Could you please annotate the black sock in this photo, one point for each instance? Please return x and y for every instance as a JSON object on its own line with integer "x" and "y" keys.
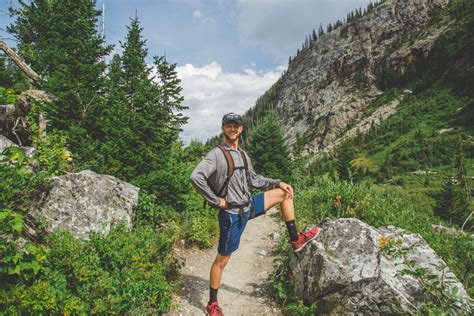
{"x": 292, "y": 230}
{"x": 212, "y": 295}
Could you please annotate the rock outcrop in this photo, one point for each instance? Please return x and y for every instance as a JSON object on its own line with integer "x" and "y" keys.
{"x": 330, "y": 84}
{"x": 85, "y": 202}
{"x": 344, "y": 271}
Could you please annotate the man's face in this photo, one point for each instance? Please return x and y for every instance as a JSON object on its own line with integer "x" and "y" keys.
{"x": 232, "y": 131}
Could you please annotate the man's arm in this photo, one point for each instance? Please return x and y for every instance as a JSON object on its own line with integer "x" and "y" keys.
{"x": 199, "y": 177}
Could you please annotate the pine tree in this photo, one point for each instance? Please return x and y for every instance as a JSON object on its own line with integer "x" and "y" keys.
{"x": 329, "y": 28}
{"x": 268, "y": 150}
{"x": 135, "y": 70}
{"x": 320, "y": 30}
{"x": 59, "y": 39}
{"x": 343, "y": 165}
{"x": 451, "y": 203}
{"x": 170, "y": 101}
{"x": 142, "y": 118}
{"x": 11, "y": 76}
{"x": 314, "y": 36}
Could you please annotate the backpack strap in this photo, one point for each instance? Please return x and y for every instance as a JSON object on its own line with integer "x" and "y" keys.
{"x": 246, "y": 166}
{"x": 244, "y": 157}
{"x": 229, "y": 160}
{"x": 230, "y": 169}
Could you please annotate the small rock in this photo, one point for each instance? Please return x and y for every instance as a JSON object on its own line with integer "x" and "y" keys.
{"x": 275, "y": 236}
{"x": 262, "y": 252}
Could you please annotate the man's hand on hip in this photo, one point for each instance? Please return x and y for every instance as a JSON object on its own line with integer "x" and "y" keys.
{"x": 223, "y": 204}
{"x": 287, "y": 188}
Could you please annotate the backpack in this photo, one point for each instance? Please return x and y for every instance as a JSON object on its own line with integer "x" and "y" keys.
{"x": 231, "y": 168}
{"x": 230, "y": 172}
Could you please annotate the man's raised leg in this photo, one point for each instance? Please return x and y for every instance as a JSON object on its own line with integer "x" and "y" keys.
{"x": 280, "y": 196}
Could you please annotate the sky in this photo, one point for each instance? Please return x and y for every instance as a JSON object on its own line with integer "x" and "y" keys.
{"x": 228, "y": 52}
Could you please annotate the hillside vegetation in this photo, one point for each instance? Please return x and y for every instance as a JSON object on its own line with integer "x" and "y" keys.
{"x": 414, "y": 169}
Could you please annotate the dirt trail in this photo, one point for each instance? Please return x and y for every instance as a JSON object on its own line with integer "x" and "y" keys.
{"x": 244, "y": 289}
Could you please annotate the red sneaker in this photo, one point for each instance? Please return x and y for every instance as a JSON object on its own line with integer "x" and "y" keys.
{"x": 213, "y": 309}
{"x": 304, "y": 238}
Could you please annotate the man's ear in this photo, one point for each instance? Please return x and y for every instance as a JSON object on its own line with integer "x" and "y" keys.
{"x": 241, "y": 129}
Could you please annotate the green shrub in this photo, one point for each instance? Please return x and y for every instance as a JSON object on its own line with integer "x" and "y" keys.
{"x": 7, "y": 96}
{"x": 200, "y": 226}
{"x": 124, "y": 272}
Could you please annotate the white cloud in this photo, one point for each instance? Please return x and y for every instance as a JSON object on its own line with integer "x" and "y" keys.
{"x": 197, "y": 14}
{"x": 210, "y": 93}
{"x": 279, "y": 27}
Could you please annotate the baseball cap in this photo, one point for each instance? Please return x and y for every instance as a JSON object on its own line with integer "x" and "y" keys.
{"x": 232, "y": 117}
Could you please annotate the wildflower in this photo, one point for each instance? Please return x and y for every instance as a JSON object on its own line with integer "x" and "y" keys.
{"x": 384, "y": 241}
{"x": 337, "y": 201}
{"x": 66, "y": 155}
{"x": 351, "y": 211}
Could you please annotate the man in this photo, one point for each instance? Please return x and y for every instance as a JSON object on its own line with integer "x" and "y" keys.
{"x": 236, "y": 205}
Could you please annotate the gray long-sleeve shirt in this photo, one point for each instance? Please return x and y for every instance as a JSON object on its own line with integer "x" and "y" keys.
{"x": 209, "y": 176}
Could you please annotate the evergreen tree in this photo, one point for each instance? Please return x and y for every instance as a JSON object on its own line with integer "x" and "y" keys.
{"x": 59, "y": 39}
{"x": 343, "y": 165}
{"x": 314, "y": 36}
{"x": 270, "y": 154}
{"x": 142, "y": 118}
{"x": 451, "y": 203}
{"x": 10, "y": 76}
{"x": 171, "y": 101}
{"x": 320, "y": 30}
{"x": 135, "y": 70}
{"x": 329, "y": 28}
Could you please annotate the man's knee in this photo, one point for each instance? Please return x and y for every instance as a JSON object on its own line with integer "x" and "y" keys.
{"x": 275, "y": 196}
{"x": 283, "y": 194}
{"x": 221, "y": 261}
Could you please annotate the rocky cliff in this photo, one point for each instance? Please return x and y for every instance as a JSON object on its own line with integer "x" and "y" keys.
{"x": 331, "y": 82}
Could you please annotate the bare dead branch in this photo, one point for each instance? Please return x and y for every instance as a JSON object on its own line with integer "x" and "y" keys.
{"x": 19, "y": 61}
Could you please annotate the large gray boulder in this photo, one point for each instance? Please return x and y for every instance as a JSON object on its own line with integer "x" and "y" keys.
{"x": 86, "y": 202}
{"x": 344, "y": 272}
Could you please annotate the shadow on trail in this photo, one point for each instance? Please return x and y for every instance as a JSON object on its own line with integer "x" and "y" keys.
{"x": 196, "y": 290}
